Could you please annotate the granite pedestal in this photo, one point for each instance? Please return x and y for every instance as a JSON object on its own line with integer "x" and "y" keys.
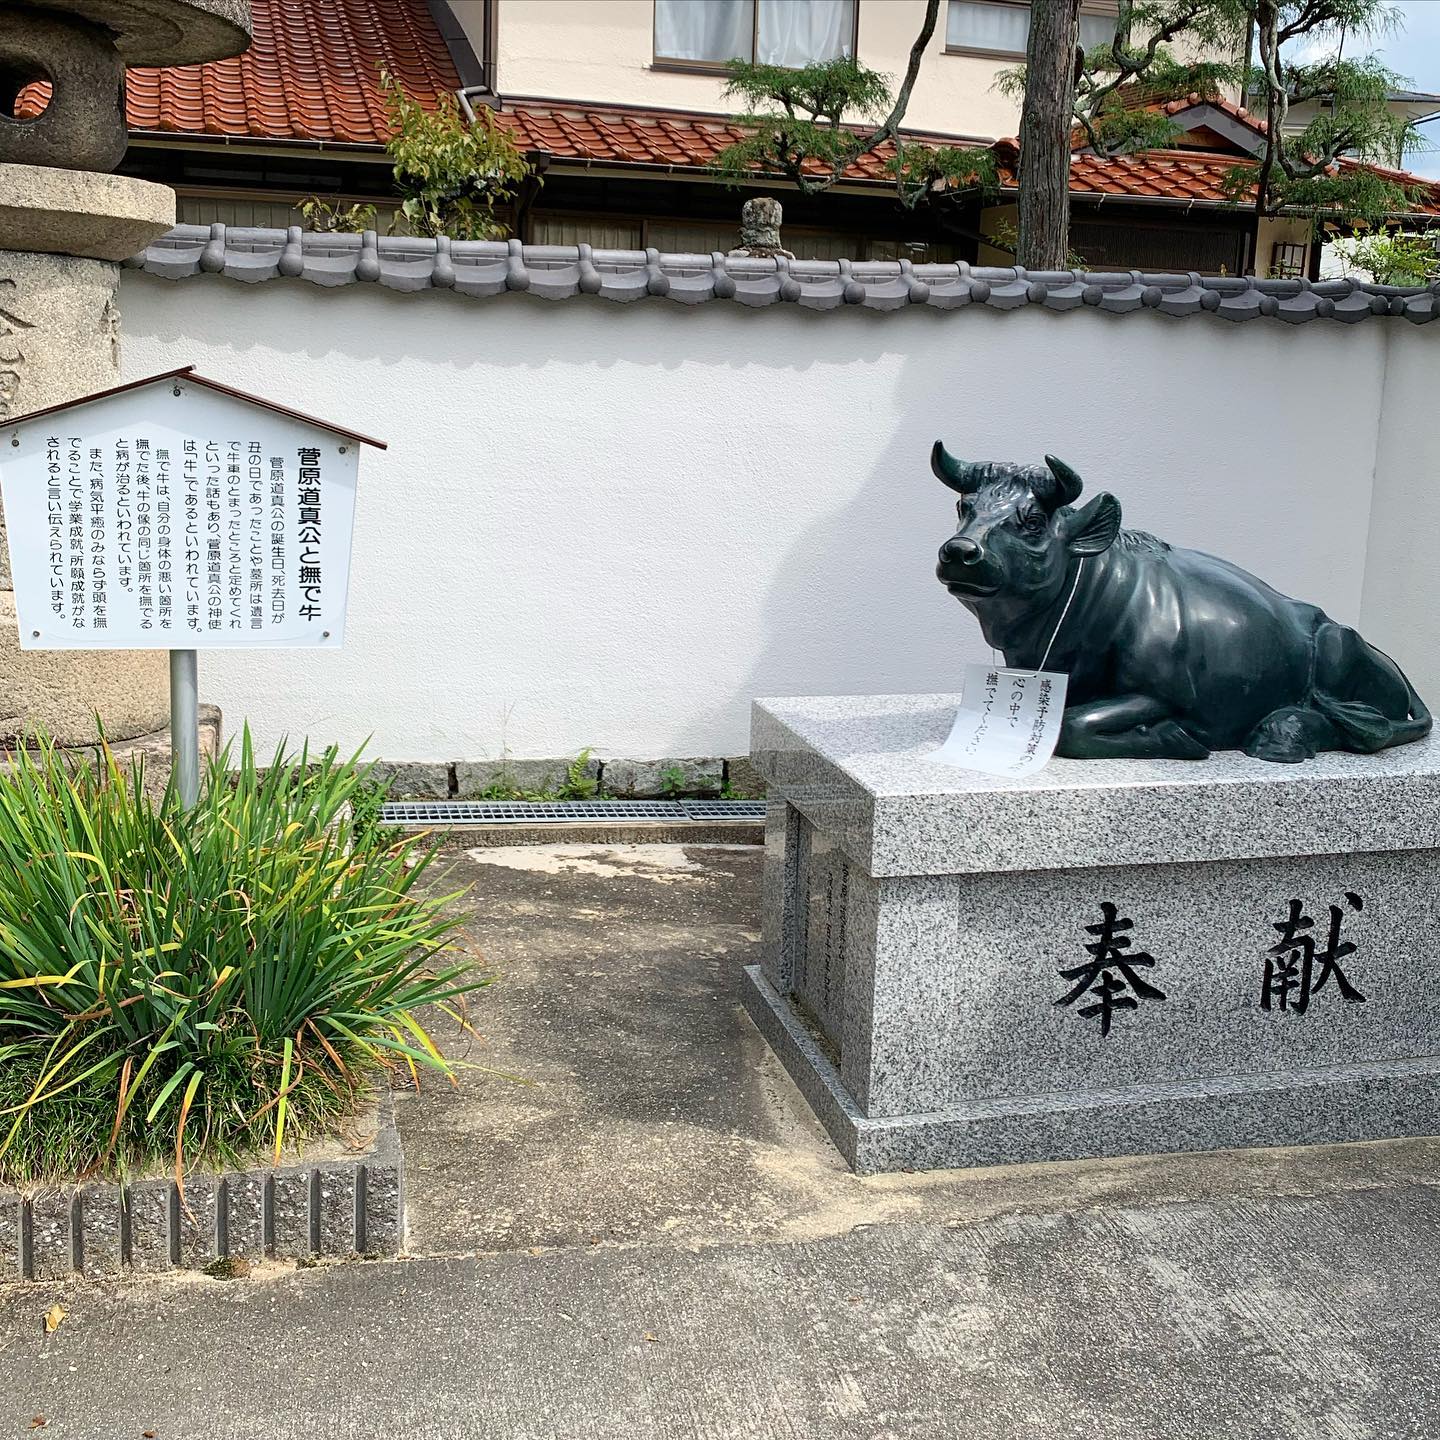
{"x": 1106, "y": 958}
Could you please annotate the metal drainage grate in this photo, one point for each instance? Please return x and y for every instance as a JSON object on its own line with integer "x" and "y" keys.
{"x": 724, "y": 809}
{"x": 549, "y": 812}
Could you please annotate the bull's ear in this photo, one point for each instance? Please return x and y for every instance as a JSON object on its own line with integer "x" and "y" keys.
{"x": 1092, "y": 529}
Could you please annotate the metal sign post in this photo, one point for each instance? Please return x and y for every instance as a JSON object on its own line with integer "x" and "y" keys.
{"x": 185, "y": 725}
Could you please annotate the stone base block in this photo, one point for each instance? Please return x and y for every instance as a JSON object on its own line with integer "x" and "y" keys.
{"x": 63, "y": 691}
{"x": 647, "y": 779}
{"x": 81, "y": 212}
{"x": 529, "y": 777}
{"x": 743, "y": 780}
{"x": 1319, "y": 1107}
{"x": 153, "y": 751}
{"x": 1108, "y": 958}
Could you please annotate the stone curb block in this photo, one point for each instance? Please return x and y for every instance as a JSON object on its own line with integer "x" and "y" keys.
{"x": 332, "y": 1208}
{"x": 630, "y": 779}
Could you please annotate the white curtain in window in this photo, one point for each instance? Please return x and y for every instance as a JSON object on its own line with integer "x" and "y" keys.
{"x": 1096, "y": 30}
{"x": 716, "y": 30}
{"x": 974, "y": 25}
{"x": 797, "y": 32}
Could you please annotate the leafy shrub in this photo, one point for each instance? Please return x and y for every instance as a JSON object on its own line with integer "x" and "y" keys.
{"x": 576, "y": 784}
{"x": 331, "y": 217}
{"x": 200, "y": 985}
{"x": 1391, "y": 257}
{"x": 452, "y": 173}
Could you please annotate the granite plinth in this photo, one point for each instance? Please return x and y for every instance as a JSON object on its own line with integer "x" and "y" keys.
{"x": 1106, "y": 958}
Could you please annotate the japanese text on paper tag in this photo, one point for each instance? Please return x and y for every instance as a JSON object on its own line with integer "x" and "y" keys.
{"x": 1008, "y": 722}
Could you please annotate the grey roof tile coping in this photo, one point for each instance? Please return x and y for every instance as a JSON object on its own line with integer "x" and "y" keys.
{"x": 557, "y": 272}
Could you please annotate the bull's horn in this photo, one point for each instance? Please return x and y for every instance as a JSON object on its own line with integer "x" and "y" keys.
{"x": 957, "y": 474}
{"x": 1069, "y": 482}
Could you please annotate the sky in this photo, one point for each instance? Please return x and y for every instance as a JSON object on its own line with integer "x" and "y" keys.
{"x": 1414, "y": 52}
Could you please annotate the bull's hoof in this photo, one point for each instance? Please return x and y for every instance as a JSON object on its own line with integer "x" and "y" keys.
{"x": 1284, "y": 737}
{"x": 1174, "y": 742}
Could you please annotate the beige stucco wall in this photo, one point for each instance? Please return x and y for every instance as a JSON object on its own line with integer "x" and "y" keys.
{"x": 1278, "y": 232}
{"x": 602, "y": 50}
{"x": 991, "y": 219}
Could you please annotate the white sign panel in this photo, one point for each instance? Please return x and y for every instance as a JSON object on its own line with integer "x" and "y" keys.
{"x": 1008, "y": 722}
{"x": 177, "y": 517}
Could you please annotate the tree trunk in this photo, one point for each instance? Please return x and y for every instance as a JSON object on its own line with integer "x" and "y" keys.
{"x": 1045, "y": 121}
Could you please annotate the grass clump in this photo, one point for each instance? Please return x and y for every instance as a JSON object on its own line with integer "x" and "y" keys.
{"x": 576, "y": 784}
{"x": 195, "y": 986}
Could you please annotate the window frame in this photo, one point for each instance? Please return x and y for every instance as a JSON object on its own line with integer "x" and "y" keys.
{"x": 1095, "y": 7}
{"x": 719, "y": 67}
{"x": 1286, "y": 263}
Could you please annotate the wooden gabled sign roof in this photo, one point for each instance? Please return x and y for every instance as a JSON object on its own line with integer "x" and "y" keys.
{"x": 188, "y": 374}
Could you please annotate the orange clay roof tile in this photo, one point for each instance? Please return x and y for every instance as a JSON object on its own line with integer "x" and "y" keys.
{"x": 313, "y": 73}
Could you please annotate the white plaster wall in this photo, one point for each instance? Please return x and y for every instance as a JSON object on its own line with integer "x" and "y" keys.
{"x": 614, "y": 525}
{"x": 1402, "y": 569}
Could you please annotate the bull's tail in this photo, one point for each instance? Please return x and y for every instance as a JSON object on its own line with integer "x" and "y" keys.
{"x": 1363, "y": 728}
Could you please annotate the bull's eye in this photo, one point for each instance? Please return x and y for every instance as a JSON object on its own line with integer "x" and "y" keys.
{"x": 1030, "y": 523}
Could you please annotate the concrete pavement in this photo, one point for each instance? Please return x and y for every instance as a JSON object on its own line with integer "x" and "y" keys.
{"x": 652, "y": 1238}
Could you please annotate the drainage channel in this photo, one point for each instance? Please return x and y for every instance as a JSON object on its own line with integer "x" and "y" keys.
{"x": 572, "y": 812}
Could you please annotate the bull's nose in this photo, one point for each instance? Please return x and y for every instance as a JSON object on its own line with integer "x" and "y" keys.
{"x": 962, "y": 549}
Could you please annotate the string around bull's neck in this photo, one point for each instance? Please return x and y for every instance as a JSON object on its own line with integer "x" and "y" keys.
{"x": 1070, "y": 600}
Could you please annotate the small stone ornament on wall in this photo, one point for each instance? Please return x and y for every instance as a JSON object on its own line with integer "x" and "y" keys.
{"x": 1170, "y": 653}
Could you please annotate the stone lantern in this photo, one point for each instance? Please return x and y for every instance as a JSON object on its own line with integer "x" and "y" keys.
{"x": 66, "y": 223}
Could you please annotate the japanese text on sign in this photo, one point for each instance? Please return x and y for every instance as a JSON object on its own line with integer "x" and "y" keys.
{"x": 1295, "y": 969}
{"x": 212, "y": 525}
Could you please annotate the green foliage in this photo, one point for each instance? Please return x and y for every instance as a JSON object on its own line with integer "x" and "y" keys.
{"x": 451, "y": 173}
{"x": 1139, "y": 63}
{"x": 1005, "y": 235}
{"x": 576, "y": 784}
{"x": 730, "y": 791}
{"x": 1312, "y": 173}
{"x": 923, "y": 173}
{"x": 366, "y": 801}
{"x": 832, "y": 90}
{"x": 811, "y": 124}
{"x": 1391, "y": 258}
{"x": 329, "y": 217}
{"x": 579, "y": 783}
{"x": 200, "y": 985}
{"x": 1344, "y": 193}
{"x": 798, "y": 117}
{"x": 672, "y": 781}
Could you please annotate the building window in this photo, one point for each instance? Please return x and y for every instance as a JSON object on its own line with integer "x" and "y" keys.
{"x": 1002, "y": 27}
{"x": 1287, "y": 260}
{"x": 711, "y": 33}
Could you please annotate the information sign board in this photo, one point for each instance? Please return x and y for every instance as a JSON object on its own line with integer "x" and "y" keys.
{"x": 176, "y": 514}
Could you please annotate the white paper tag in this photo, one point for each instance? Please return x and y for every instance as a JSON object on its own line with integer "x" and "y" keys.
{"x": 1008, "y": 723}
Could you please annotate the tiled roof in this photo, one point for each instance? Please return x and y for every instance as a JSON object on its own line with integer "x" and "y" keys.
{"x": 1194, "y": 99}
{"x": 630, "y": 135}
{"x": 558, "y": 272}
{"x": 311, "y": 73}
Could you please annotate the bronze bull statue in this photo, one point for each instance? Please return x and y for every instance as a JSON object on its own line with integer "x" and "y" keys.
{"x": 1170, "y": 653}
